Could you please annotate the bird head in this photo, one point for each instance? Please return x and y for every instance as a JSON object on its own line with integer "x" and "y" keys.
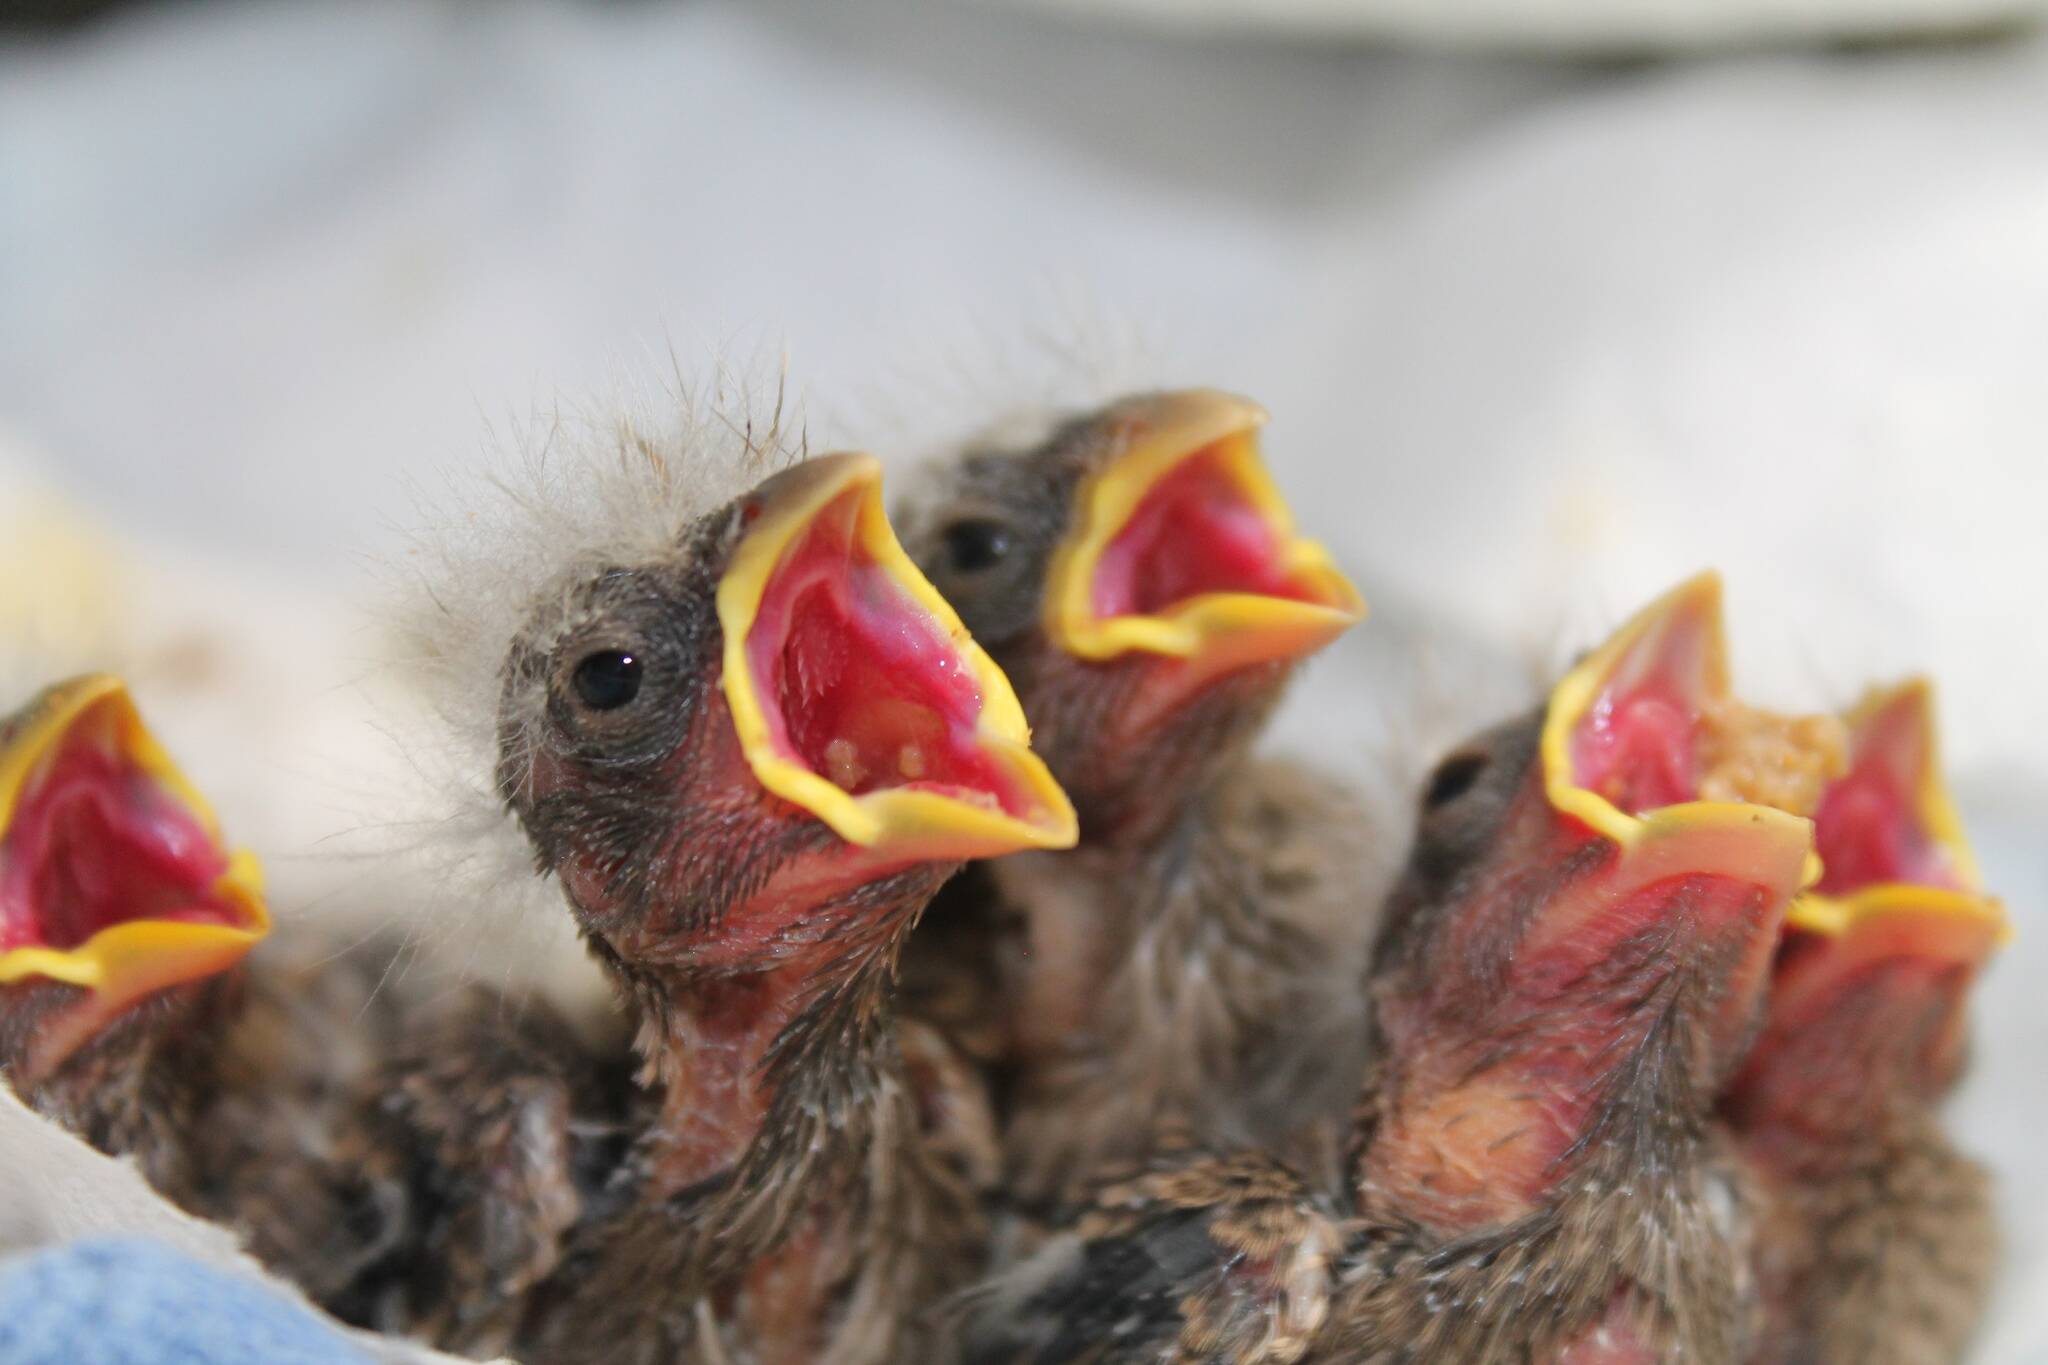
{"x": 115, "y": 886}
{"x": 775, "y": 714}
{"x": 1580, "y": 939}
{"x": 1140, "y": 577}
{"x": 1868, "y": 994}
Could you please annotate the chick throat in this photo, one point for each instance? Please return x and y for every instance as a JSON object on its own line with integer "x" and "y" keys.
{"x": 772, "y": 1076}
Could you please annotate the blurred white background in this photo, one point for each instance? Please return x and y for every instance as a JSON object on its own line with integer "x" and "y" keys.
{"x": 1540, "y": 334}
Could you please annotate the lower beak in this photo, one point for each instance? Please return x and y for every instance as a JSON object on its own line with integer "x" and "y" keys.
{"x": 1183, "y": 547}
{"x": 857, "y": 694}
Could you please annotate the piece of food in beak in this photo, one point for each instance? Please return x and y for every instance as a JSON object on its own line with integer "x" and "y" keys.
{"x": 113, "y": 875}
{"x": 1181, "y": 546}
{"x": 1878, "y": 1237}
{"x": 857, "y": 693}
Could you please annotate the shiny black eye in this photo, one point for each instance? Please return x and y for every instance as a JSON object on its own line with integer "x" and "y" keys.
{"x": 608, "y": 679}
{"x": 975, "y": 545}
{"x": 1452, "y": 779}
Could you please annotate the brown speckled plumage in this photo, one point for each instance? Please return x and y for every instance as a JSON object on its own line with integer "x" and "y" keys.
{"x": 1878, "y": 1238}
{"x": 1536, "y": 1175}
{"x": 1193, "y": 965}
{"x": 230, "y": 1094}
{"x": 797, "y": 1180}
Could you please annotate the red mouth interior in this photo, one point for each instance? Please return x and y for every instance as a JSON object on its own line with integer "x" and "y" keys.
{"x": 860, "y": 683}
{"x": 96, "y": 842}
{"x": 1639, "y": 748}
{"x": 1867, "y": 831}
{"x": 1194, "y": 532}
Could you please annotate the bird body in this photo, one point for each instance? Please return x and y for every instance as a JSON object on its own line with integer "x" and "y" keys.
{"x": 750, "y": 745}
{"x": 1562, "y": 984}
{"x": 1193, "y": 986}
{"x": 1878, "y": 1238}
{"x": 1188, "y": 969}
{"x": 129, "y": 1014}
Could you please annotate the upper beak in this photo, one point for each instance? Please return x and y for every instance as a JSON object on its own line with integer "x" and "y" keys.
{"x": 1897, "y": 865}
{"x": 1183, "y": 547}
{"x": 855, "y": 690}
{"x": 133, "y": 957}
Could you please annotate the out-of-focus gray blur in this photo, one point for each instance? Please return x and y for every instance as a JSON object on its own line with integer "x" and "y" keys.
{"x": 1542, "y": 328}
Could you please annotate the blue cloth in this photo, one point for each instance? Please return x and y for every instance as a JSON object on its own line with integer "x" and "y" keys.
{"x": 132, "y": 1302}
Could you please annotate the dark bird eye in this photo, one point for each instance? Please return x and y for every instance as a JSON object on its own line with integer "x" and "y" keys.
{"x": 975, "y": 545}
{"x": 1452, "y": 779}
{"x": 608, "y": 679}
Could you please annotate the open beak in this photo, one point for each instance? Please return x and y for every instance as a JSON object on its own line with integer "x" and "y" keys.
{"x": 1182, "y": 547}
{"x": 1622, "y": 755}
{"x": 1890, "y": 841}
{"x": 1899, "y": 883}
{"x": 113, "y": 876}
{"x": 856, "y": 692}
{"x": 1622, "y": 744}
{"x": 1869, "y": 991}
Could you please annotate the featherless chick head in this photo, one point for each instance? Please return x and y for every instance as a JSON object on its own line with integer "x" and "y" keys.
{"x": 715, "y": 676}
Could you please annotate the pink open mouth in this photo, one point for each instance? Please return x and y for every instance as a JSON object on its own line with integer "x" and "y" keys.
{"x": 857, "y": 694}
{"x": 96, "y": 841}
{"x": 1871, "y": 827}
{"x": 1639, "y": 748}
{"x": 868, "y": 691}
{"x": 1197, "y": 532}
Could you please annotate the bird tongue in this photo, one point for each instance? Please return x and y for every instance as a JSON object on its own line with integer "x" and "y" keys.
{"x": 1182, "y": 547}
{"x": 112, "y": 873}
{"x": 856, "y": 692}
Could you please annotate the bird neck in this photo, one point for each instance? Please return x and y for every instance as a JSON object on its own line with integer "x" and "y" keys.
{"x": 131, "y": 1086}
{"x": 706, "y": 1046}
{"x": 744, "y": 1050}
{"x": 1469, "y": 1136}
{"x": 1135, "y": 746}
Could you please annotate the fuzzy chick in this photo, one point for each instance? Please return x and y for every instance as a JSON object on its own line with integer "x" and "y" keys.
{"x": 128, "y": 1013}
{"x": 1569, "y": 970}
{"x": 749, "y": 741}
{"x": 1191, "y": 967}
{"x": 1878, "y": 1239}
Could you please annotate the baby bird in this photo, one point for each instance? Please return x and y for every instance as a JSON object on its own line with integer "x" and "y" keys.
{"x": 1568, "y": 971}
{"x": 1878, "y": 1239}
{"x": 123, "y": 914}
{"x": 1193, "y": 964}
{"x": 750, "y": 743}
{"x": 127, "y": 1012}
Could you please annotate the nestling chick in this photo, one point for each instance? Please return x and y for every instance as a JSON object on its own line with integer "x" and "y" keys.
{"x": 1878, "y": 1242}
{"x": 1570, "y": 967}
{"x": 124, "y": 914}
{"x": 750, "y": 742}
{"x": 1193, "y": 965}
{"x": 128, "y": 1014}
